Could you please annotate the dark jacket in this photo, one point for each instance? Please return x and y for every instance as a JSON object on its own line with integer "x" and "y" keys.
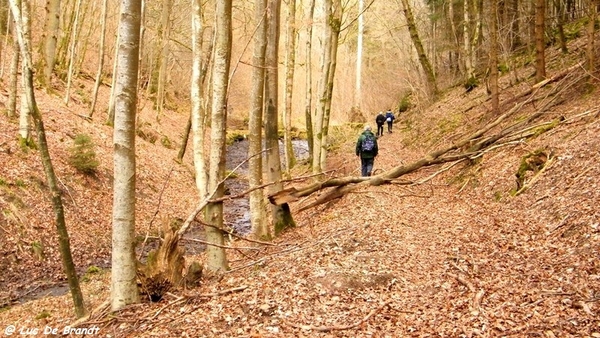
{"x": 366, "y": 154}
{"x": 390, "y": 115}
{"x": 380, "y": 119}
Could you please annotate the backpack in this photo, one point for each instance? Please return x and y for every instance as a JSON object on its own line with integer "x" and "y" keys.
{"x": 380, "y": 119}
{"x": 389, "y": 116}
{"x": 368, "y": 144}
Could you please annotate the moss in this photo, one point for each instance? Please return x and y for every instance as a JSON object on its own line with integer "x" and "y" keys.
{"x": 164, "y": 140}
{"x": 42, "y": 315}
{"x": 27, "y": 143}
{"x": 235, "y": 136}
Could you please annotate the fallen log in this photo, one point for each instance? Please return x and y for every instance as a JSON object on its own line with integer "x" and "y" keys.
{"x": 472, "y": 146}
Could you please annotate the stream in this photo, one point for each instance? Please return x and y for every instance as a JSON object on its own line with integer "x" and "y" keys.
{"x": 237, "y": 211}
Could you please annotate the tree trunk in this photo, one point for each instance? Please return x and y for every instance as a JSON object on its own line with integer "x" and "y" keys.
{"x": 101, "y": 54}
{"x": 124, "y": 289}
{"x": 216, "y": 259}
{"x": 202, "y": 107}
{"x": 359, "y": 56}
{"x": 197, "y": 115}
{"x": 13, "y": 84}
{"x": 164, "y": 56}
{"x": 50, "y": 39}
{"x": 560, "y": 25}
{"x": 336, "y": 23}
{"x": 514, "y": 27}
{"x": 494, "y": 55}
{"x": 318, "y": 141}
{"x": 414, "y": 35}
{"x": 540, "y": 44}
{"x": 260, "y": 228}
{"x": 59, "y": 216}
{"x": 24, "y": 111}
{"x": 72, "y": 48}
{"x": 591, "y": 31}
{"x": 282, "y": 218}
{"x": 111, "y": 101}
{"x": 308, "y": 104}
{"x": 290, "y": 63}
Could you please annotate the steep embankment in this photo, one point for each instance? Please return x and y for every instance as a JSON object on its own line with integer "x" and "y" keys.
{"x": 30, "y": 262}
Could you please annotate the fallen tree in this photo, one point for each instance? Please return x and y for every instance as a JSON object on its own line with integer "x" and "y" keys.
{"x": 471, "y": 146}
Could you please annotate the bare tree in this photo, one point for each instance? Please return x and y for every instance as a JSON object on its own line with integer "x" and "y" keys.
{"x": 216, "y": 258}
{"x": 592, "y": 11}
{"x": 164, "y": 56}
{"x": 494, "y": 55}
{"x": 72, "y": 49}
{"x": 423, "y": 59}
{"x": 61, "y": 228}
{"x": 282, "y": 217}
{"x": 13, "y": 82}
{"x": 197, "y": 114}
{"x": 24, "y": 108}
{"x": 290, "y": 64}
{"x": 255, "y": 163}
{"x": 540, "y": 44}
{"x": 124, "y": 288}
{"x": 308, "y": 99}
{"x": 101, "y": 53}
{"x": 49, "y": 40}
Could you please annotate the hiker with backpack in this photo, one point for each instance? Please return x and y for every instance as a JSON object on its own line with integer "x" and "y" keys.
{"x": 389, "y": 118}
{"x": 380, "y": 120}
{"x": 366, "y": 149}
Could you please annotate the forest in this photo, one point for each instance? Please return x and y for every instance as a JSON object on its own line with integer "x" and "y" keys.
{"x": 190, "y": 168}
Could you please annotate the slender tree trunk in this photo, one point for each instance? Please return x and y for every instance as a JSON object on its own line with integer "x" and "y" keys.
{"x": 515, "y": 36}
{"x": 164, "y": 57}
{"x": 540, "y": 44}
{"x": 111, "y": 101}
{"x": 318, "y": 142}
{"x": 336, "y": 23}
{"x": 560, "y": 25}
{"x": 494, "y": 55}
{"x": 203, "y": 109}
{"x": 282, "y": 217}
{"x": 468, "y": 50}
{"x": 124, "y": 289}
{"x": 50, "y": 39}
{"x": 216, "y": 259}
{"x": 13, "y": 86}
{"x": 290, "y": 64}
{"x": 260, "y": 228}
{"x": 308, "y": 102}
{"x": 101, "y": 54}
{"x": 24, "y": 111}
{"x": 591, "y": 31}
{"x": 359, "y": 56}
{"x": 59, "y": 216}
{"x": 414, "y": 35}
{"x": 72, "y": 50}
{"x": 197, "y": 115}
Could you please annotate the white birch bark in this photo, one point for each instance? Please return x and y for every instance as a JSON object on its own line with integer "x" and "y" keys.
{"x": 198, "y": 126}
{"x": 124, "y": 289}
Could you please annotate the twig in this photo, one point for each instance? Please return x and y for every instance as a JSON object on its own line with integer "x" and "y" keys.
{"x": 341, "y": 328}
{"x": 222, "y": 292}
{"x": 162, "y": 190}
{"x": 238, "y": 236}
{"x": 218, "y": 245}
{"x": 535, "y": 178}
{"x": 439, "y": 172}
{"x": 67, "y": 189}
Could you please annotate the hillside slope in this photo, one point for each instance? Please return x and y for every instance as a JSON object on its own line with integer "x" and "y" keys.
{"x": 456, "y": 255}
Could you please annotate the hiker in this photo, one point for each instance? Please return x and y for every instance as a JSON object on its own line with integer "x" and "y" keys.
{"x": 366, "y": 149}
{"x": 380, "y": 120}
{"x": 389, "y": 118}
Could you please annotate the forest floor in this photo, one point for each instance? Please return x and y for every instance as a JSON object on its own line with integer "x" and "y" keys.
{"x": 448, "y": 252}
